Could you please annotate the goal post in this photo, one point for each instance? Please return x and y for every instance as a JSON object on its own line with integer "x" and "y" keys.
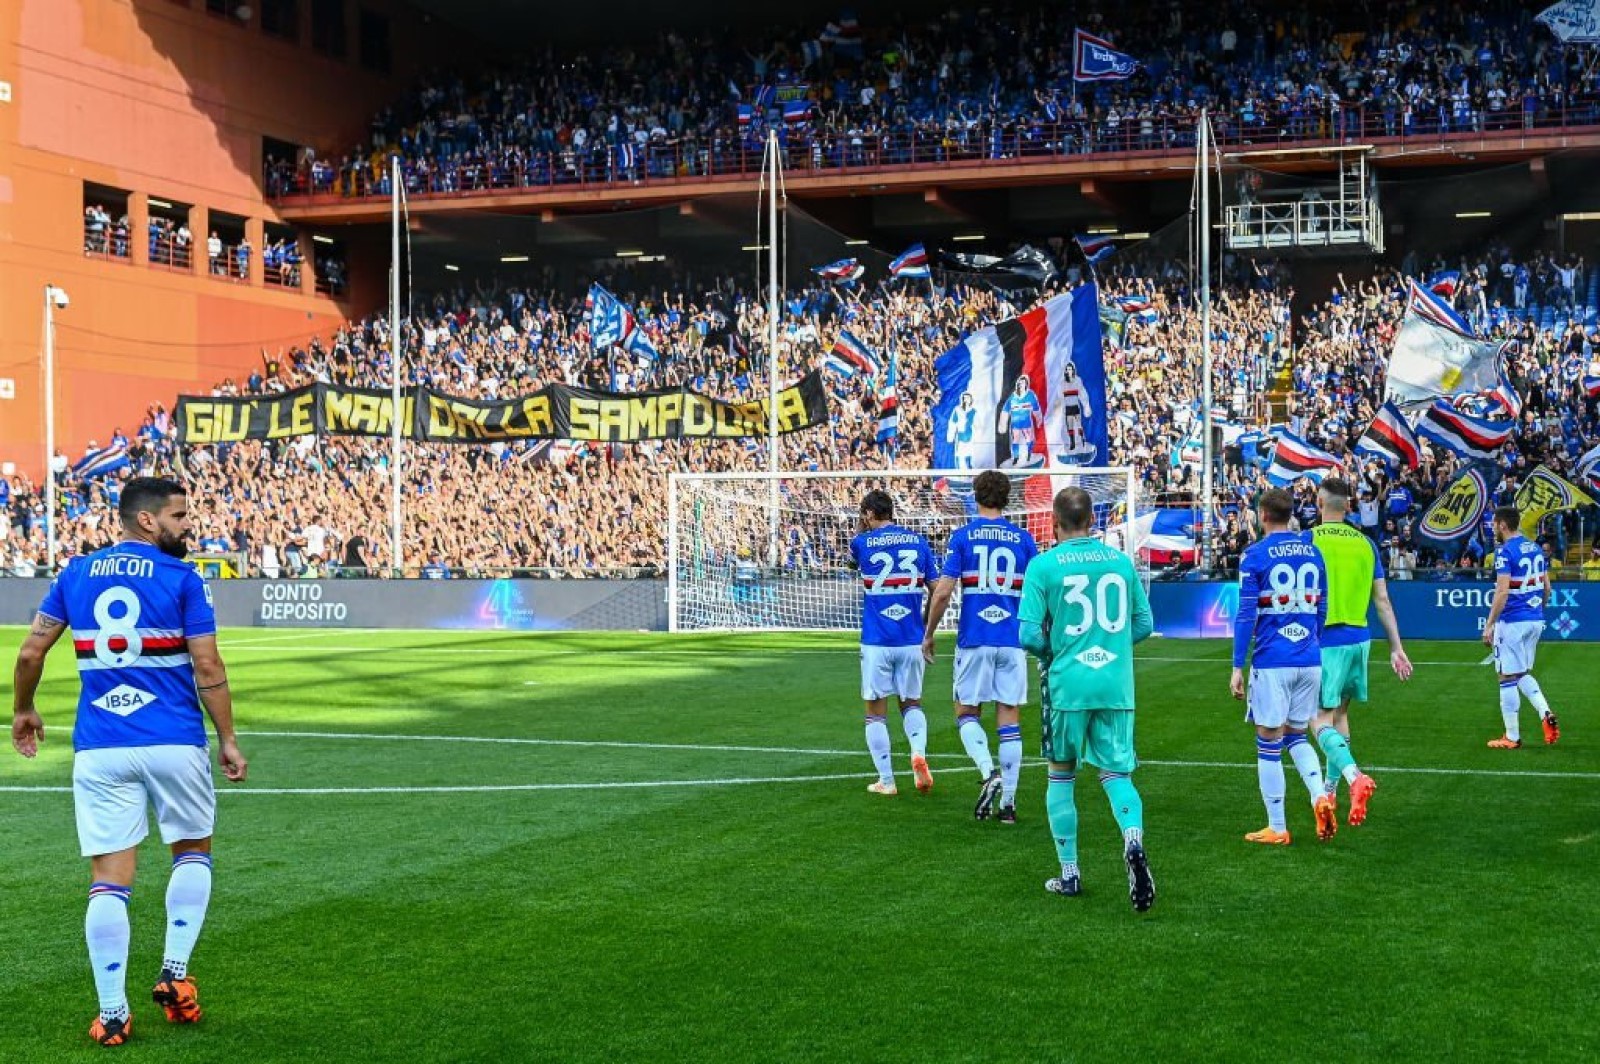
{"x": 724, "y": 575}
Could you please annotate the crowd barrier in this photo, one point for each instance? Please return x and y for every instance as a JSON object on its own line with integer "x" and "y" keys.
{"x": 1183, "y": 610}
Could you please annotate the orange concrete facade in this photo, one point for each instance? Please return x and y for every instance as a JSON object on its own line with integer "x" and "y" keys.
{"x": 163, "y": 100}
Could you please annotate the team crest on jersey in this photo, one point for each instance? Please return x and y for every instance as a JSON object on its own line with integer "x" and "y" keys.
{"x": 896, "y": 613}
{"x": 1096, "y": 658}
{"x": 993, "y": 614}
{"x": 123, "y": 700}
{"x": 1295, "y": 633}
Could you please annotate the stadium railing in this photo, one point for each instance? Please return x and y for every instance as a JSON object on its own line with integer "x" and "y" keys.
{"x": 1007, "y": 143}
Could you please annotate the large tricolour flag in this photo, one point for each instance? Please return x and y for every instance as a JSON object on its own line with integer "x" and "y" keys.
{"x": 1467, "y": 436}
{"x": 850, "y": 356}
{"x": 1040, "y": 345}
{"x": 1294, "y": 458}
{"x": 1390, "y": 439}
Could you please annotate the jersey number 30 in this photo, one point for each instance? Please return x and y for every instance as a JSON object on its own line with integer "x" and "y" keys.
{"x": 1108, "y": 607}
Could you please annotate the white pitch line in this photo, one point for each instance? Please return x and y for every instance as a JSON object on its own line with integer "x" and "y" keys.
{"x": 817, "y": 752}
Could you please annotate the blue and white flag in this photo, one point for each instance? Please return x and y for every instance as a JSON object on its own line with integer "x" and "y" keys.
{"x": 1049, "y": 360}
{"x": 1591, "y": 386}
{"x": 1294, "y": 458}
{"x": 1435, "y": 354}
{"x": 1445, "y": 283}
{"x": 850, "y": 356}
{"x": 1465, "y": 435}
{"x": 1573, "y": 21}
{"x": 913, "y": 262}
{"x": 1094, "y": 59}
{"x": 889, "y": 405}
{"x": 1094, "y": 248}
{"x": 796, "y": 111}
{"x": 1390, "y": 439}
{"x": 844, "y": 271}
{"x": 101, "y": 462}
{"x": 612, "y": 324}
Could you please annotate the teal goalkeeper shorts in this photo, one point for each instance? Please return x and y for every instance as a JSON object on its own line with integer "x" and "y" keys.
{"x": 1344, "y": 674}
{"x": 1102, "y": 737}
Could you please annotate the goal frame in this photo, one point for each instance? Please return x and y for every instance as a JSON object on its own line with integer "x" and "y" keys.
{"x": 674, "y": 480}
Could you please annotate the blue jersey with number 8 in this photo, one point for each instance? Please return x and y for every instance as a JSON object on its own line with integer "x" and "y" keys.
{"x": 988, "y": 558}
{"x": 132, "y": 611}
{"x": 896, "y": 566}
{"x": 1283, "y": 603}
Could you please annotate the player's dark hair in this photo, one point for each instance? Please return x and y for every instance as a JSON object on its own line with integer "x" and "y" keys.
{"x": 1509, "y": 516}
{"x": 1074, "y": 510}
{"x": 878, "y": 504}
{"x": 1276, "y": 505}
{"x": 1339, "y": 489}
{"x": 992, "y": 489}
{"x": 146, "y": 495}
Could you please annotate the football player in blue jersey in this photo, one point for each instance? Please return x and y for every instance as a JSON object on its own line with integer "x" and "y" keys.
{"x": 895, "y": 565}
{"x": 1022, "y": 415}
{"x": 987, "y": 557}
{"x": 1516, "y": 619}
{"x": 1283, "y": 608}
{"x": 962, "y": 429}
{"x": 145, "y": 637}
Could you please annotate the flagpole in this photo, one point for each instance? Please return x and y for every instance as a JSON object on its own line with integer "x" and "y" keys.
{"x": 1206, "y": 486}
{"x": 396, "y": 548}
{"x": 773, "y": 463}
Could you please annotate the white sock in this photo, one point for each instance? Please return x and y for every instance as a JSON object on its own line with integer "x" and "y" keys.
{"x": 1269, "y": 773}
{"x": 1133, "y": 837}
{"x": 976, "y": 741}
{"x": 1351, "y": 774}
{"x": 916, "y": 725}
{"x": 1510, "y": 705}
{"x": 1534, "y": 694}
{"x": 1010, "y": 762}
{"x": 188, "y": 894}
{"x": 1306, "y": 760}
{"x": 878, "y": 747}
{"x": 105, "y": 927}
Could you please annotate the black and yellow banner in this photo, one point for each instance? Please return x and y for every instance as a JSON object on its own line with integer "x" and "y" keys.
{"x": 555, "y": 412}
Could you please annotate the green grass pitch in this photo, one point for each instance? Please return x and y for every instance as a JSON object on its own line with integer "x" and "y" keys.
{"x": 661, "y": 849}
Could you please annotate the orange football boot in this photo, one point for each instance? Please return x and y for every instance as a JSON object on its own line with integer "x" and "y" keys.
{"x": 1504, "y": 743}
{"x": 1268, "y": 837}
{"x": 1360, "y": 794}
{"x": 1552, "y": 729}
{"x": 111, "y": 1034}
{"x": 180, "y": 998}
{"x": 922, "y": 774}
{"x": 1327, "y": 817}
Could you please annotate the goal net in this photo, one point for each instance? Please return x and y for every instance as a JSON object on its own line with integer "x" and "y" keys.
{"x": 750, "y": 551}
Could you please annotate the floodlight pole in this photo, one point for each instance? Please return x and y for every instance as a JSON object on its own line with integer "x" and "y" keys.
{"x": 773, "y": 463}
{"x": 1204, "y": 230}
{"x": 396, "y": 548}
{"x": 51, "y": 295}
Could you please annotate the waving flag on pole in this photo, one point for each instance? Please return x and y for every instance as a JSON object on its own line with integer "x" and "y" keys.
{"x": 1053, "y": 356}
{"x": 1459, "y": 510}
{"x": 1294, "y": 458}
{"x": 913, "y": 262}
{"x": 1573, "y": 21}
{"x": 1094, "y": 248}
{"x": 797, "y": 111}
{"x": 1435, "y": 354}
{"x": 850, "y": 356}
{"x": 1591, "y": 386}
{"x": 1094, "y": 59}
{"x": 1545, "y": 492}
{"x": 1445, "y": 283}
{"x": 889, "y": 405}
{"x": 1504, "y": 398}
{"x": 612, "y": 324}
{"x": 1390, "y": 439}
{"x": 1589, "y": 467}
{"x": 100, "y": 462}
{"x": 844, "y": 271}
{"x": 1463, "y": 434}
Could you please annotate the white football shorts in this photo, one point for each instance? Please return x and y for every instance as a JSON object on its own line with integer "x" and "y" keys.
{"x": 1515, "y": 643}
{"x": 895, "y": 671}
{"x": 991, "y": 674}
{"x": 112, "y": 790}
{"x": 1279, "y": 697}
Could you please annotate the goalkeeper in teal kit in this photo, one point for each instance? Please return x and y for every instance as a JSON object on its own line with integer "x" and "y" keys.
{"x": 1083, "y": 609}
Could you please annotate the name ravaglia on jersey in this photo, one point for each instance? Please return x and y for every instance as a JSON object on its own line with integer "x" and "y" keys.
{"x": 1030, "y": 391}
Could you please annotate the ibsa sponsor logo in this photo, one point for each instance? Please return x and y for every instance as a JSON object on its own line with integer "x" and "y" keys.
{"x": 993, "y": 614}
{"x": 1096, "y": 658}
{"x": 897, "y": 612}
{"x": 300, "y": 601}
{"x": 123, "y": 700}
{"x": 1295, "y": 633}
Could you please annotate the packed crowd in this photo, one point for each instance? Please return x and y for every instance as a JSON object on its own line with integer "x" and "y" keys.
{"x": 971, "y": 83}
{"x": 314, "y": 507}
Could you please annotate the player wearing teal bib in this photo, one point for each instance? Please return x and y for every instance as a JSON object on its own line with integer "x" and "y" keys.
{"x": 1083, "y": 609}
{"x": 1356, "y": 582}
